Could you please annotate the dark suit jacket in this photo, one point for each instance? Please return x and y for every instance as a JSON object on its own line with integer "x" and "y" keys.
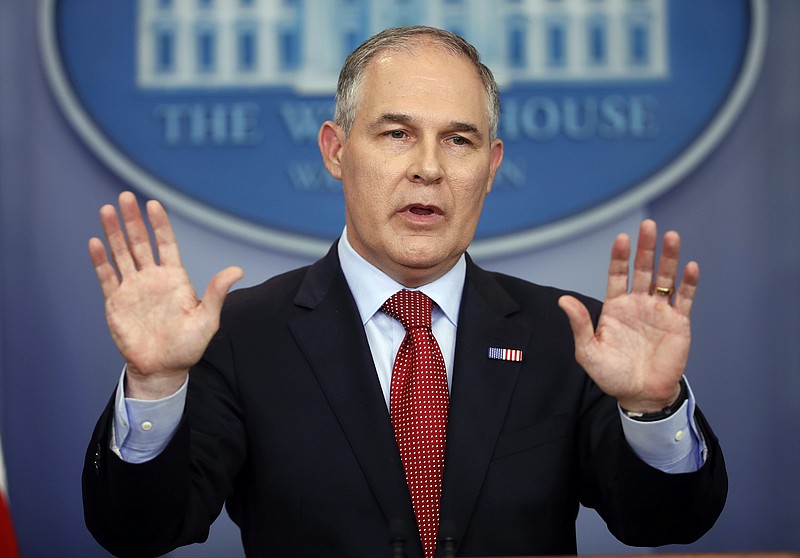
{"x": 285, "y": 420}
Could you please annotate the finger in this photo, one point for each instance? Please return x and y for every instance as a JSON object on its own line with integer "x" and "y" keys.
{"x": 136, "y": 230}
{"x": 618, "y": 267}
{"x": 644, "y": 261}
{"x": 106, "y": 274}
{"x": 579, "y": 320}
{"x": 167, "y": 245}
{"x": 117, "y": 243}
{"x": 687, "y": 289}
{"x": 219, "y": 286}
{"x": 668, "y": 264}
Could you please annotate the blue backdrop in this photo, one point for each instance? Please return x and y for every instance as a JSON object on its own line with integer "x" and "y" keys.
{"x": 738, "y": 211}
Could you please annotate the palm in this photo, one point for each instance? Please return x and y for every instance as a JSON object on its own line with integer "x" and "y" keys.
{"x": 158, "y": 323}
{"x": 640, "y": 347}
{"x": 638, "y": 351}
{"x": 155, "y": 320}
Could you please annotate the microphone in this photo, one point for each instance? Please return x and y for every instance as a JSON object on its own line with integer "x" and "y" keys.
{"x": 448, "y": 532}
{"x": 397, "y": 536}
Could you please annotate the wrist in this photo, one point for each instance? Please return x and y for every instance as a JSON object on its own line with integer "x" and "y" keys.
{"x": 657, "y": 412}
{"x": 149, "y": 387}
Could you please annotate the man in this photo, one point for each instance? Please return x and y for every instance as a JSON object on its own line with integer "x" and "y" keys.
{"x": 291, "y": 412}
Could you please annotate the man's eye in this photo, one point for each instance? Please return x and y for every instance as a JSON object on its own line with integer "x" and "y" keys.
{"x": 459, "y": 140}
{"x": 397, "y": 134}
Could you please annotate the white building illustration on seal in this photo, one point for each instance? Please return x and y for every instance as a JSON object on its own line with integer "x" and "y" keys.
{"x": 301, "y": 44}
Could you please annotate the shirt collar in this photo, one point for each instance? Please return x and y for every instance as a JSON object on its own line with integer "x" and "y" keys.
{"x": 371, "y": 287}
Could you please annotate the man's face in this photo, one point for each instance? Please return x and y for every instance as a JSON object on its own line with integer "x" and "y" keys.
{"x": 417, "y": 164}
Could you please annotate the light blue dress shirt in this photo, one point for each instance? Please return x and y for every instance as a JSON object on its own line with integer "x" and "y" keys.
{"x": 142, "y": 429}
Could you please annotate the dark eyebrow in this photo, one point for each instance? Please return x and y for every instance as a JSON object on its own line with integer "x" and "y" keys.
{"x": 393, "y": 118}
{"x": 465, "y": 127}
{"x": 400, "y": 118}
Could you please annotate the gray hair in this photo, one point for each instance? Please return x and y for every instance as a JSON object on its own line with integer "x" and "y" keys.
{"x": 405, "y": 39}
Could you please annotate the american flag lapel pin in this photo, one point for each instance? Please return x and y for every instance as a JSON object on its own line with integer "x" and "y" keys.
{"x": 514, "y": 355}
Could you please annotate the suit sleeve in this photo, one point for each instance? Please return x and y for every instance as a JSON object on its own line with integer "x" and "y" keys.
{"x": 150, "y": 508}
{"x": 641, "y": 505}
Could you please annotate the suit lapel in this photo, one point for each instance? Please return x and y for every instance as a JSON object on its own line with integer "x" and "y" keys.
{"x": 481, "y": 391}
{"x": 332, "y": 338}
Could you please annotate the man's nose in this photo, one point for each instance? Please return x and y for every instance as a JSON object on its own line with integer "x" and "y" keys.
{"x": 426, "y": 165}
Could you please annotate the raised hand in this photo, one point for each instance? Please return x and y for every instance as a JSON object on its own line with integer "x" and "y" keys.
{"x": 154, "y": 316}
{"x": 639, "y": 350}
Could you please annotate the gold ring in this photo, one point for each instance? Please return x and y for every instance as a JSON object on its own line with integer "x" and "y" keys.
{"x": 664, "y": 291}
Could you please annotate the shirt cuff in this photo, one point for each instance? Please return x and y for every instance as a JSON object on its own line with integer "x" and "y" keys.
{"x": 143, "y": 428}
{"x": 673, "y": 445}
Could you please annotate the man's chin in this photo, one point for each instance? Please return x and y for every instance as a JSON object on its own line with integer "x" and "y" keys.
{"x": 425, "y": 262}
{"x": 420, "y": 252}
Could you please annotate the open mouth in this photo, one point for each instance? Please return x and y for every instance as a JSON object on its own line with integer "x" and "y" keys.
{"x": 417, "y": 210}
{"x": 421, "y": 215}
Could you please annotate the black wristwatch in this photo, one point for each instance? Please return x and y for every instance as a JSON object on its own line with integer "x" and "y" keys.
{"x": 663, "y": 413}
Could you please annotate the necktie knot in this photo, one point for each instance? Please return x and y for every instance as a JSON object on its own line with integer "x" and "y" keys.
{"x": 411, "y": 308}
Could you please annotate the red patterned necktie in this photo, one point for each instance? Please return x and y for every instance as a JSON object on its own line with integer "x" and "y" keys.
{"x": 418, "y": 405}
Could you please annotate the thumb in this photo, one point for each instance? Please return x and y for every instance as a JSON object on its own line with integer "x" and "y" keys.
{"x": 219, "y": 286}
{"x": 579, "y": 320}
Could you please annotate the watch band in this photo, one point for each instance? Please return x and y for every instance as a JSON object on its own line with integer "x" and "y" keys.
{"x": 663, "y": 413}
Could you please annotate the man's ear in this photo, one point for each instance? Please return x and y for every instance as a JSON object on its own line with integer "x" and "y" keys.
{"x": 331, "y": 140}
{"x": 495, "y": 158}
